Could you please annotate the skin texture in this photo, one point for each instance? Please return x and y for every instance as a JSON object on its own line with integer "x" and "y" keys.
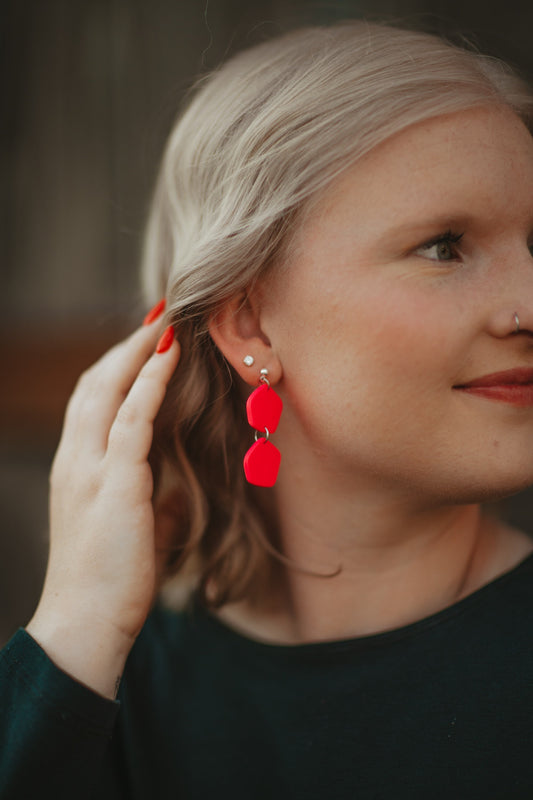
{"x": 368, "y": 330}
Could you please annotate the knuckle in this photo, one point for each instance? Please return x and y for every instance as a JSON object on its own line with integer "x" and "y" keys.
{"x": 151, "y": 382}
{"x": 148, "y": 380}
{"x": 84, "y": 388}
{"x": 128, "y": 415}
{"x": 90, "y": 407}
{"x": 92, "y": 485}
{"x": 82, "y": 403}
{"x": 65, "y": 480}
{"x": 96, "y": 377}
{"x": 116, "y": 440}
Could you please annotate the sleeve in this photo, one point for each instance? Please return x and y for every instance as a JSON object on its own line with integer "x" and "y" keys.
{"x": 54, "y": 731}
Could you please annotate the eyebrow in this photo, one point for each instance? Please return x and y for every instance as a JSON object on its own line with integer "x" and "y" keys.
{"x": 437, "y": 224}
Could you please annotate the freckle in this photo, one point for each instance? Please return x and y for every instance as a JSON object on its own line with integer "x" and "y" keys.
{"x": 496, "y": 443}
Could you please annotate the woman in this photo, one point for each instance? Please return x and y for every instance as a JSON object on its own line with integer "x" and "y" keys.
{"x": 343, "y": 219}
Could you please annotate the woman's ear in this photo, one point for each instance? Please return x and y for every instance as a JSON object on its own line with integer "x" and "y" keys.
{"x": 236, "y": 330}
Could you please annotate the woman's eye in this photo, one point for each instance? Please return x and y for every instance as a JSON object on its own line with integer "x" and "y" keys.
{"x": 440, "y": 249}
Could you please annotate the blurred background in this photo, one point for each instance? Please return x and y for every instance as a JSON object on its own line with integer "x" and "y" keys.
{"x": 90, "y": 90}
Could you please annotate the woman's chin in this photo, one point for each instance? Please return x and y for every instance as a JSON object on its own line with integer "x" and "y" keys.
{"x": 494, "y": 490}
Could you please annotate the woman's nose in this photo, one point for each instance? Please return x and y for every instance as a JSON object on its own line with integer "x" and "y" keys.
{"x": 513, "y": 303}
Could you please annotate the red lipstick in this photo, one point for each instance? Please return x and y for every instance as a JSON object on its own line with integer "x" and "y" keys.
{"x": 514, "y": 386}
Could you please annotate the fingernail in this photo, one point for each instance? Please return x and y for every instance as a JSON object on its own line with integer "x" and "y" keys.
{"x": 156, "y": 312}
{"x": 165, "y": 341}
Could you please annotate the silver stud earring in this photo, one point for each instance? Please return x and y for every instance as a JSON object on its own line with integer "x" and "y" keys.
{"x": 517, "y": 323}
{"x": 248, "y": 360}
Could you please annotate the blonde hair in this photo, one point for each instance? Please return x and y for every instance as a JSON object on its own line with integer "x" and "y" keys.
{"x": 262, "y": 135}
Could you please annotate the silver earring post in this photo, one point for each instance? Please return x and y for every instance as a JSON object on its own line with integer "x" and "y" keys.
{"x": 263, "y": 377}
{"x": 517, "y": 322}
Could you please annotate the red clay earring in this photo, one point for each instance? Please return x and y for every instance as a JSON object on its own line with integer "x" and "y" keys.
{"x": 263, "y": 408}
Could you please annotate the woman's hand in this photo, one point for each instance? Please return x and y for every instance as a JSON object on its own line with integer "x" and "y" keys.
{"x": 102, "y": 571}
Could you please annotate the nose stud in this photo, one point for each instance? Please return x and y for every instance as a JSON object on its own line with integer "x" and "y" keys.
{"x": 517, "y": 323}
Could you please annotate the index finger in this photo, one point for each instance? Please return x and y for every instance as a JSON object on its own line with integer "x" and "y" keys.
{"x": 131, "y": 433}
{"x": 102, "y": 388}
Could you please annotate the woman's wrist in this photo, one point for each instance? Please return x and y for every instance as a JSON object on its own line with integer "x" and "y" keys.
{"x": 92, "y": 652}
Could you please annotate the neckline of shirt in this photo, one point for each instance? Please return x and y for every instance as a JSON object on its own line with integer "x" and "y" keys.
{"x": 329, "y": 647}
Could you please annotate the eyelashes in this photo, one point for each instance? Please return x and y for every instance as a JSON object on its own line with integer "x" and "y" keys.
{"x": 444, "y": 249}
{"x": 443, "y": 245}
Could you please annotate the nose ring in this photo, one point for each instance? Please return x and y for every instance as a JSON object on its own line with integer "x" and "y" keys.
{"x": 517, "y": 323}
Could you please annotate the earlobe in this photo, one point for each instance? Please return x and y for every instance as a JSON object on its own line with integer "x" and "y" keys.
{"x": 236, "y": 330}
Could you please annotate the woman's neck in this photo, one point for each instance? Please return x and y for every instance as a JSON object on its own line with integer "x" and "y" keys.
{"x": 397, "y": 566}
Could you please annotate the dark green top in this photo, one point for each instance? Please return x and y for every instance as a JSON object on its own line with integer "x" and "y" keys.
{"x": 442, "y": 708}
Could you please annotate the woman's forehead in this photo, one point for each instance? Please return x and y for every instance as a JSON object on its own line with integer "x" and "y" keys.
{"x": 476, "y": 153}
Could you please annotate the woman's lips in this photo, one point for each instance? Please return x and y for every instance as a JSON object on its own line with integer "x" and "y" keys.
{"x": 514, "y": 386}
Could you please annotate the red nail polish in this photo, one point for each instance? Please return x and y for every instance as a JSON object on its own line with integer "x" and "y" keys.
{"x": 165, "y": 341}
{"x": 156, "y": 312}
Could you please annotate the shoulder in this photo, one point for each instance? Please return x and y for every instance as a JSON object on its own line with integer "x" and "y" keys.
{"x": 501, "y": 550}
